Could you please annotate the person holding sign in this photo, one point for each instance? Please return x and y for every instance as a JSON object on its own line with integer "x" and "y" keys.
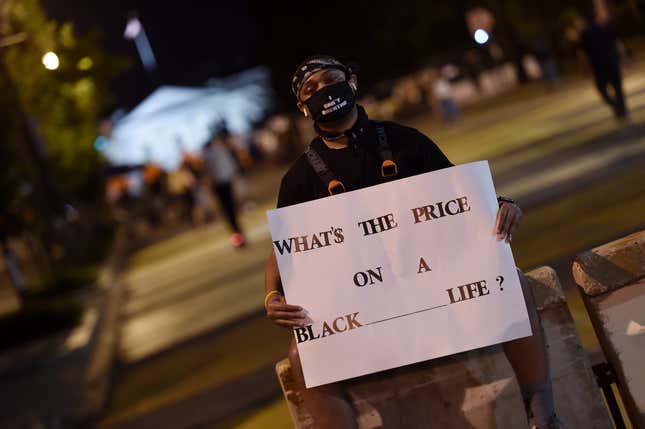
{"x": 353, "y": 152}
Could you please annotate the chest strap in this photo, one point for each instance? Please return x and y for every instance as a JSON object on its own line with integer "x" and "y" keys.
{"x": 335, "y": 186}
{"x": 388, "y": 167}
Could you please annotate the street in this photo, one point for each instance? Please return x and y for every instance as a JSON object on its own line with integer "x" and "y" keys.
{"x": 195, "y": 349}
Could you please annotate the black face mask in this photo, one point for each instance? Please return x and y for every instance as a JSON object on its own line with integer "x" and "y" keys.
{"x": 331, "y": 103}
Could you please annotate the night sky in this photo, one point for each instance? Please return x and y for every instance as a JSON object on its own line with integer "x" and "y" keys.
{"x": 195, "y": 40}
{"x": 192, "y": 40}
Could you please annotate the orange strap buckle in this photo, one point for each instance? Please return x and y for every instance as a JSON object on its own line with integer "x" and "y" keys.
{"x": 389, "y": 168}
{"x": 335, "y": 187}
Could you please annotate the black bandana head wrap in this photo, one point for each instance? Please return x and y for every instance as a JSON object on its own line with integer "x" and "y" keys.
{"x": 313, "y": 64}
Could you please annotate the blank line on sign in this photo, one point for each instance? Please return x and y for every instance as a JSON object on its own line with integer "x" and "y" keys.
{"x": 407, "y": 314}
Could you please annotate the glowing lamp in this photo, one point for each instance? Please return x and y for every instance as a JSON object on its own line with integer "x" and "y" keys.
{"x": 50, "y": 61}
{"x": 481, "y": 36}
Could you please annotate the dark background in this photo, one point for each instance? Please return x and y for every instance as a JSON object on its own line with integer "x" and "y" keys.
{"x": 195, "y": 40}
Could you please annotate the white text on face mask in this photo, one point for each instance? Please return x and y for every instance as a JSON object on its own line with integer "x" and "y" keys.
{"x": 334, "y": 107}
{"x": 331, "y": 103}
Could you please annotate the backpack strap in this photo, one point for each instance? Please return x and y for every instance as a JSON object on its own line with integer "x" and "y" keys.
{"x": 388, "y": 166}
{"x": 334, "y": 186}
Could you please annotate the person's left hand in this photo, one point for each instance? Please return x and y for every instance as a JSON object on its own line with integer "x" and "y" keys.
{"x": 508, "y": 219}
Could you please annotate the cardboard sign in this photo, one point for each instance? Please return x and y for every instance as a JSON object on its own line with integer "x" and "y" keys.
{"x": 398, "y": 273}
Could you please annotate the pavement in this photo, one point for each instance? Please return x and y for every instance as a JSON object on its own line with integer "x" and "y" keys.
{"x": 192, "y": 320}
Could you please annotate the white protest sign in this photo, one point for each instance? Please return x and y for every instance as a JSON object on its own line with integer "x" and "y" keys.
{"x": 398, "y": 273}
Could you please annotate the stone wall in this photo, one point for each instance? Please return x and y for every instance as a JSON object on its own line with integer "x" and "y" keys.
{"x": 612, "y": 281}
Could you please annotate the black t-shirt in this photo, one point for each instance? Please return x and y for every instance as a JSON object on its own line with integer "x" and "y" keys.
{"x": 359, "y": 165}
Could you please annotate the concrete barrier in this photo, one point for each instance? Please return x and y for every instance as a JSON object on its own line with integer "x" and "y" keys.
{"x": 476, "y": 389}
{"x": 612, "y": 280}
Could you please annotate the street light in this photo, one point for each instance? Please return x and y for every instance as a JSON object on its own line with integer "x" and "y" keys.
{"x": 481, "y": 36}
{"x": 134, "y": 31}
{"x": 50, "y": 61}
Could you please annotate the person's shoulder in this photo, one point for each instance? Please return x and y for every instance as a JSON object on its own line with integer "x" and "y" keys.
{"x": 395, "y": 126}
{"x": 403, "y": 132}
{"x": 411, "y": 140}
{"x": 294, "y": 183}
{"x": 297, "y": 170}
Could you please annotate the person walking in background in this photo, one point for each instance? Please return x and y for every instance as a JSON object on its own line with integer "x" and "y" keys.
{"x": 184, "y": 181}
{"x": 603, "y": 50}
{"x": 442, "y": 90}
{"x": 222, "y": 168}
{"x": 155, "y": 179}
{"x": 548, "y": 63}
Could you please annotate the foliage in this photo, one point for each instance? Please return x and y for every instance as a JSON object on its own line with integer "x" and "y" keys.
{"x": 66, "y": 103}
{"x": 12, "y": 193}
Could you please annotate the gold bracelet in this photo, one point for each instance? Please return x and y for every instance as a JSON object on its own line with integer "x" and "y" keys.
{"x": 266, "y": 298}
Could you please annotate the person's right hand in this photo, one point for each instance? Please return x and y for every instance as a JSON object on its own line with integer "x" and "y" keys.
{"x": 283, "y": 314}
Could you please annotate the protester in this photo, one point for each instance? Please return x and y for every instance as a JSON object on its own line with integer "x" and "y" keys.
{"x": 548, "y": 63}
{"x": 347, "y": 145}
{"x": 222, "y": 168}
{"x": 602, "y": 47}
{"x": 155, "y": 180}
{"x": 182, "y": 182}
{"x": 442, "y": 90}
{"x": 201, "y": 198}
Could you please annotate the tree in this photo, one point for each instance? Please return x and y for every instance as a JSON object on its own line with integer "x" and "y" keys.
{"x": 66, "y": 103}
{"x": 48, "y": 122}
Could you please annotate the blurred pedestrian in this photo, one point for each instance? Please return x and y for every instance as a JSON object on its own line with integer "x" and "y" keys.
{"x": 155, "y": 179}
{"x": 222, "y": 168}
{"x": 548, "y": 64}
{"x": 442, "y": 90}
{"x": 204, "y": 211}
{"x": 603, "y": 49}
{"x": 184, "y": 183}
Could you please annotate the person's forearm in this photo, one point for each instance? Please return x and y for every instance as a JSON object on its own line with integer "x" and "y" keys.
{"x": 272, "y": 275}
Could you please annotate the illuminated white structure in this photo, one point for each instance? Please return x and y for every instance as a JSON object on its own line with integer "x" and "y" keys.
{"x": 173, "y": 119}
